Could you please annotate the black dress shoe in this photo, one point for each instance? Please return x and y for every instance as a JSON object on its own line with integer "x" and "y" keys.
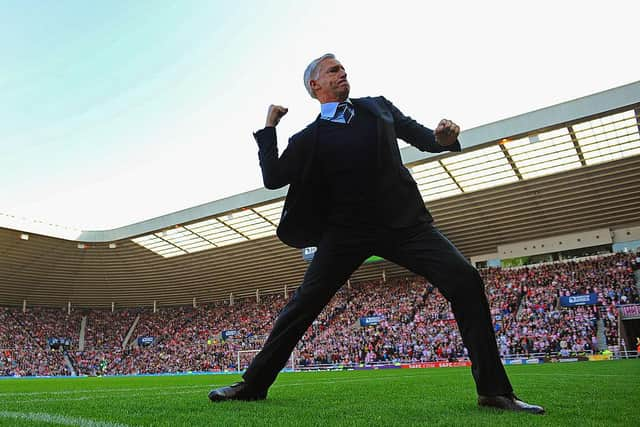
{"x": 509, "y": 403}
{"x": 237, "y": 391}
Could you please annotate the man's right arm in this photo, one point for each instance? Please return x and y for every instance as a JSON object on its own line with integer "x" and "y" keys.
{"x": 276, "y": 171}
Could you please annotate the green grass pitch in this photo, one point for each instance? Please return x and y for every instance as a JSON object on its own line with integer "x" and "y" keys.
{"x": 574, "y": 394}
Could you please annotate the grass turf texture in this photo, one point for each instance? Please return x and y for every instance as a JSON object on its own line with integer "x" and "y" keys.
{"x": 580, "y": 394}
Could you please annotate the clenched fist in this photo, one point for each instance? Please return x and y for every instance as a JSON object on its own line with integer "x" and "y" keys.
{"x": 447, "y": 132}
{"x": 275, "y": 113}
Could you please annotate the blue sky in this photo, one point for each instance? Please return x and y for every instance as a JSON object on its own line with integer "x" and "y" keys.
{"x": 116, "y": 112}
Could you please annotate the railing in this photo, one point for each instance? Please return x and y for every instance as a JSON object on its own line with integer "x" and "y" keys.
{"x": 628, "y": 354}
{"x": 615, "y": 355}
{"x": 330, "y": 366}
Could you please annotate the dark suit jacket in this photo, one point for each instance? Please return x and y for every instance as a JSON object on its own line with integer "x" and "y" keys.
{"x": 306, "y": 208}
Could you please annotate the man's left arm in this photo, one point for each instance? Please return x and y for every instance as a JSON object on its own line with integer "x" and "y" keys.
{"x": 443, "y": 138}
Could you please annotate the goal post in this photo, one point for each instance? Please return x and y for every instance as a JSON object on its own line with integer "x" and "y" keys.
{"x": 244, "y": 358}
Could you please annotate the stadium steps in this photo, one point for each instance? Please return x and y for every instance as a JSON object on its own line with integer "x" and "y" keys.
{"x": 67, "y": 362}
{"x": 521, "y": 300}
{"x": 83, "y": 329}
{"x": 74, "y": 364}
{"x": 131, "y": 329}
{"x": 601, "y": 334}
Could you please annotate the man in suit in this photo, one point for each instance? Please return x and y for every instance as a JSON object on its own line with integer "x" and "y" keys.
{"x": 351, "y": 196}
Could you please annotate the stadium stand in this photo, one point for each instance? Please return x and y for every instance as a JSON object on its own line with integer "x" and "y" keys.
{"x": 414, "y": 324}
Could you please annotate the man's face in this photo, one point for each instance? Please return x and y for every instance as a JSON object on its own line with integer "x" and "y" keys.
{"x": 331, "y": 84}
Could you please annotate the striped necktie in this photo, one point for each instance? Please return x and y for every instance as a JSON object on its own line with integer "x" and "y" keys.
{"x": 347, "y": 111}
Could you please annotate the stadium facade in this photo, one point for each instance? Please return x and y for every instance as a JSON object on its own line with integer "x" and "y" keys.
{"x": 556, "y": 179}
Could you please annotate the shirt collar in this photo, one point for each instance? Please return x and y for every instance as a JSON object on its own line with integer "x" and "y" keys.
{"x": 328, "y": 109}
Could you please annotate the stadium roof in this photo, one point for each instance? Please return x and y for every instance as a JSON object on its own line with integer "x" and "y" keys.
{"x": 568, "y": 167}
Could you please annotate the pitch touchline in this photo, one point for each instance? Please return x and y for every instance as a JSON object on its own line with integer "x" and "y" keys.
{"x": 58, "y": 419}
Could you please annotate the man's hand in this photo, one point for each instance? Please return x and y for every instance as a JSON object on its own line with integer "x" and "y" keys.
{"x": 447, "y": 132}
{"x": 275, "y": 113}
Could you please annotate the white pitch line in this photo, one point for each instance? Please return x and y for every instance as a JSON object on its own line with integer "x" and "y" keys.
{"x": 54, "y": 399}
{"x": 93, "y": 390}
{"x": 103, "y": 390}
{"x": 58, "y": 419}
{"x": 167, "y": 391}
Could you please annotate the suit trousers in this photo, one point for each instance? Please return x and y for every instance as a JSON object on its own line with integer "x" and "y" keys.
{"x": 421, "y": 249}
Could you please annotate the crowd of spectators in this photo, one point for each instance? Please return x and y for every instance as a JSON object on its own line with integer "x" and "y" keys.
{"x": 106, "y": 330}
{"x": 24, "y": 349}
{"x": 542, "y": 325}
{"x": 414, "y": 324}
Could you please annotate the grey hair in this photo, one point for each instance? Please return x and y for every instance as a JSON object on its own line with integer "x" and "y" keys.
{"x": 312, "y": 72}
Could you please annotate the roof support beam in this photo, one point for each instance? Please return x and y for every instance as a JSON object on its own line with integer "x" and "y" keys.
{"x": 453, "y": 178}
{"x": 576, "y": 145}
{"x": 511, "y": 162}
